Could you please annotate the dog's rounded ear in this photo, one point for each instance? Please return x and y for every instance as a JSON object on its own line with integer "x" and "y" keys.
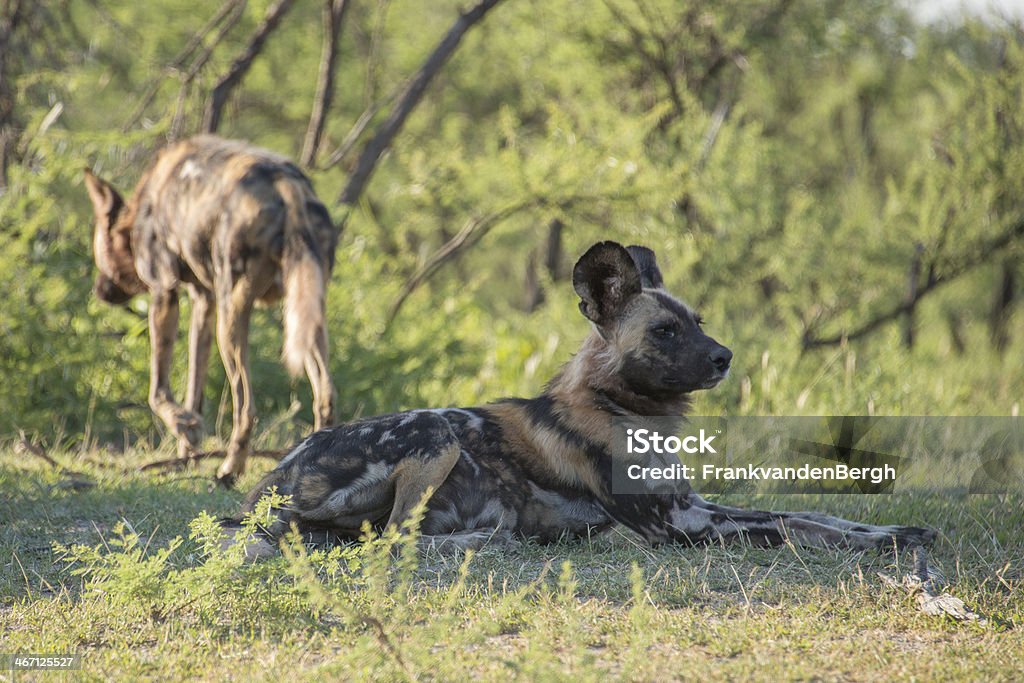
{"x": 606, "y": 278}
{"x": 118, "y": 280}
{"x": 105, "y": 199}
{"x": 650, "y": 274}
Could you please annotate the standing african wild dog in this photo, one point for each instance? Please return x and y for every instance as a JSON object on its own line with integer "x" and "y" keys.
{"x": 233, "y": 224}
{"x": 542, "y": 467}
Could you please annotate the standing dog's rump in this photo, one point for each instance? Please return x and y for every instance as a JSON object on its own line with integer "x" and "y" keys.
{"x": 233, "y": 224}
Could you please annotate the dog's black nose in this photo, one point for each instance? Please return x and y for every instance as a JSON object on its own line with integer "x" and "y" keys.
{"x": 721, "y": 357}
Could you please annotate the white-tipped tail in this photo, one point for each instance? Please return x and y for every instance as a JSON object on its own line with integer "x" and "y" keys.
{"x": 303, "y": 312}
{"x": 304, "y": 286}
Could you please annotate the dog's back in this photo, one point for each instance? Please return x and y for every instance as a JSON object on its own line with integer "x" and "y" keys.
{"x": 216, "y": 203}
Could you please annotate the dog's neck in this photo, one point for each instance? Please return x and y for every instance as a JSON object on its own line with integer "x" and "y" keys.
{"x": 591, "y": 380}
{"x": 588, "y": 399}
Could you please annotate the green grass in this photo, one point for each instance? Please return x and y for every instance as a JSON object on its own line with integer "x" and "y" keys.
{"x": 606, "y": 608}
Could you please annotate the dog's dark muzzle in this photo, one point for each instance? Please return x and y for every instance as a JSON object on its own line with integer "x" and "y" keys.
{"x": 108, "y": 291}
{"x": 721, "y": 357}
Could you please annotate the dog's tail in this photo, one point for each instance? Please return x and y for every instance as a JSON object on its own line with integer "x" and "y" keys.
{"x": 305, "y": 271}
{"x": 276, "y": 479}
{"x": 263, "y": 542}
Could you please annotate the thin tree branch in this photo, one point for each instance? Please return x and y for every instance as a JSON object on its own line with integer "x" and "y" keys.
{"x": 72, "y": 478}
{"x": 199, "y": 63}
{"x": 410, "y": 98}
{"x": 471, "y": 233}
{"x": 182, "y": 463}
{"x": 179, "y": 60}
{"x": 26, "y": 446}
{"x": 714, "y": 128}
{"x": 240, "y": 67}
{"x": 372, "y": 104}
{"x": 334, "y": 18}
{"x": 10, "y": 21}
{"x": 352, "y": 137}
{"x": 980, "y": 258}
{"x": 657, "y": 62}
{"x": 373, "y": 53}
{"x": 196, "y": 40}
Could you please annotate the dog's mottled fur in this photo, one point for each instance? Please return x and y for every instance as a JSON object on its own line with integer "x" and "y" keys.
{"x": 232, "y": 224}
{"x": 542, "y": 467}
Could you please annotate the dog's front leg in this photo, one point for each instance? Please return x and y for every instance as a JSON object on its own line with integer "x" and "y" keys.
{"x": 234, "y": 311}
{"x": 163, "y": 328}
{"x": 200, "y": 339}
{"x": 700, "y": 520}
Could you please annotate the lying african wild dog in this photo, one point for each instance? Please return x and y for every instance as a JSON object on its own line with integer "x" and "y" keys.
{"x": 234, "y": 225}
{"x": 542, "y": 467}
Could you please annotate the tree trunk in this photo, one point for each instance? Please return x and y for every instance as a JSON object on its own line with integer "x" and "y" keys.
{"x": 334, "y": 18}
{"x": 956, "y": 333}
{"x": 550, "y": 255}
{"x": 10, "y": 16}
{"x": 534, "y": 292}
{"x": 1002, "y": 307}
{"x": 553, "y": 251}
{"x": 407, "y": 102}
{"x": 912, "y": 294}
{"x": 240, "y": 67}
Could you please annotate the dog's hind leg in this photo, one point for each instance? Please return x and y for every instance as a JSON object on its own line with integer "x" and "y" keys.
{"x": 320, "y": 380}
{"x": 416, "y": 478}
{"x": 372, "y": 472}
{"x": 234, "y": 310}
{"x": 469, "y": 539}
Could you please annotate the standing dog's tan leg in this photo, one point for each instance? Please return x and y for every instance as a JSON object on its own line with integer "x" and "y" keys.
{"x": 233, "y": 314}
{"x": 163, "y": 328}
{"x": 320, "y": 381}
{"x": 200, "y": 338}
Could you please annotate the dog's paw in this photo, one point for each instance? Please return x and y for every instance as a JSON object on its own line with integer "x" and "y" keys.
{"x": 226, "y": 481}
{"x": 467, "y": 540}
{"x": 502, "y": 538}
{"x": 188, "y": 427}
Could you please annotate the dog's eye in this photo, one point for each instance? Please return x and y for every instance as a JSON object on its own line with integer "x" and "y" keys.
{"x": 699, "y": 320}
{"x": 664, "y": 331}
